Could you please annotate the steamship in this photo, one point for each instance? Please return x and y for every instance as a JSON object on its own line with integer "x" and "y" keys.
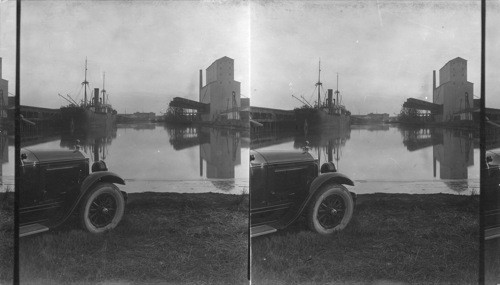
{"x": 326, "y": 115}
{"x": 94, "y": 114}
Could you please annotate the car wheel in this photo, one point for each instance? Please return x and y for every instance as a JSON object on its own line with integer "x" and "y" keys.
{"x": 330, "y": 210}
{"x": 102, "y": 208}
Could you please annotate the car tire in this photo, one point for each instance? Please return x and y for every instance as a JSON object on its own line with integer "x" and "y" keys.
{"x": 330, "y": 210}
{"x": 102, "y": 208}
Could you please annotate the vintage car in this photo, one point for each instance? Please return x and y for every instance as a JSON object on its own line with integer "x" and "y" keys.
{"x": 56, "y": 184}
{"x": 491, "y": 206}
{"x": 285, "y": 185}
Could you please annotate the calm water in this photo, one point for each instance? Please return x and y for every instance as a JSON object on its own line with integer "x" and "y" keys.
{"x": 6, "y": 163}
{"x": 391, "y": 159}
{"x": 154, "y": 157}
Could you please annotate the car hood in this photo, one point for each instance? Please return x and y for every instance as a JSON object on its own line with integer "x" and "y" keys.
{"x": 34, "y": 155}
{"x": 279, "y": 157}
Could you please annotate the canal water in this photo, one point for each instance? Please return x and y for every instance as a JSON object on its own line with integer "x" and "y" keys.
{"x": 161, "y": 158}
{"x": 390, "y": 159}
{"x": 6, "y": 163}
{"x": 387, "y": 159}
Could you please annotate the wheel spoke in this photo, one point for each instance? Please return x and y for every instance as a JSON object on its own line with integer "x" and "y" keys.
{"x": 324, "y": 206}
{"x": 102, "y": 210}
{"x": 331, "y": 211}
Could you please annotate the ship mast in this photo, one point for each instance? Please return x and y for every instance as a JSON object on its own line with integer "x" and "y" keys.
{"x": 337, "y": 91}
{"x": 103, "y": 90}
{"x": 85, "y": 83}
{"x": 319, "y": 84}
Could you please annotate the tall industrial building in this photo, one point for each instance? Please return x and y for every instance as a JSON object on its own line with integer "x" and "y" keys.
{"x": 221, "y": 91}
{"x": 4, "y": 95}
{"x": 454, "y": 92}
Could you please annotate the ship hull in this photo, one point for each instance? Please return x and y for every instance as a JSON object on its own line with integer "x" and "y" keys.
{"x": 312, "y": 120}
{"x": 78, "y": 119}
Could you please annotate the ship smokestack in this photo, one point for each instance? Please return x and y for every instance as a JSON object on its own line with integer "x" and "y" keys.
{"x": 96, "y": 96}
{"x": 201, "y": 83}
{"x": 433, "y": 85}
{"x": 330, "y": 96}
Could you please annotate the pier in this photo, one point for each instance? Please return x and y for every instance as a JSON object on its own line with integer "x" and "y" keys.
{"x": 37, "y": 122}
{"x": 272, "y": 119}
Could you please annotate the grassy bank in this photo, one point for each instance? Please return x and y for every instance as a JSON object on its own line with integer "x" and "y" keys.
{"x": 492, "y": 262}
{"x": 164, "y": 237}
{"x": 417, "y": 239}
{"x": 6, "y": 236}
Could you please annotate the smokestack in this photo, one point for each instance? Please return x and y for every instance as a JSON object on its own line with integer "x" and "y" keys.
{"x": 433, "y": 79}
{"x": 201, "y": 83}
{"x": 433, "y": 84}
{"x": 1, "y": 67}
{"x": 330, "y": 96}
{"x": 96, "y": 96}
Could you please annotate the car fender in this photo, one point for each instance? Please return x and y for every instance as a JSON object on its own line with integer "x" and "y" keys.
{"x": 100, "y": 176}
{"x": 334, "y": 177}
{"x": 88, "y": 183}
{"x": 322, "y": 179}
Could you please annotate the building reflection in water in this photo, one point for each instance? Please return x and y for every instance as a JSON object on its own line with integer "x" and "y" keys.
{"x": 182, "y": 137}
{"x": 453, "y": 150}
{"x": 219, "y": 151}
{"x": 222, "y": 152}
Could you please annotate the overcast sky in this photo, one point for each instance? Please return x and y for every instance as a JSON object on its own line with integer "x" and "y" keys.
{"x": 8, "y": 42}
{"x": 492, "y": 56}
{"x": 151, "y": 51}
{"x": 383, "y": 51}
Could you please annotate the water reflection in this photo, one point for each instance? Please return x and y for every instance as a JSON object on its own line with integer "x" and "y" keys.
{"x": 455, "y": 154}
{"x": 182, "y": 137}
{"x": 6, "y": 164}
{"x": 327, "y": 146}
{"x": 452, "y": 150}
{"x": 381, "y": 156}
{"x": 220, "y": 149}
{"x": 157, "y": 157}
{"x": 95, "y": 143}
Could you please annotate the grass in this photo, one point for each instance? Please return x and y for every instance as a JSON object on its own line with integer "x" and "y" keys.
{"x": 6, "y": 236}
{"x": 492, "y": 262}
{"x": 392, "y": 238}
{"x": 163, "y": 238}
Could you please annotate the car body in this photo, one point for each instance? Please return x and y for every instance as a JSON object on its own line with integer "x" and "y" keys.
{"x": 491, "y": 206}
{"x": 55, "y": 184}
{"x": 287, "y": 184}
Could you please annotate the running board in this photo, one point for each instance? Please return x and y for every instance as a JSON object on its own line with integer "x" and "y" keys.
{"x": 32, "y": 229}
{"x": 492, "y": 233}
{"x": 261, "y": 230}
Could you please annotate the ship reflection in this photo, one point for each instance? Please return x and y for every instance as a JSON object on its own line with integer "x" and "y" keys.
{"x": 453, "y": 150}
{"x": 219, "y": 151}
{"x": 95, "y": 142}
{"x": 327, "y": 145}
